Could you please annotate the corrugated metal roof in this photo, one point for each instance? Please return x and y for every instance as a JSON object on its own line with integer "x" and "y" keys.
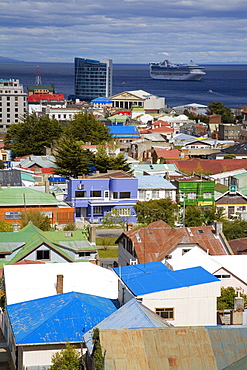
{"x": 155, "y": 277}
{"x": 60, "y": 318}
{"x": 180, "y": 348}
{"x": 154, "y": 182}
{"x": 26, "y": 282}
{"x": 132, "y": 315}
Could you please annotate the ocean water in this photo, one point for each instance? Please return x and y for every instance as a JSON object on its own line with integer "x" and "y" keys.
{"x": 223, "y": 83}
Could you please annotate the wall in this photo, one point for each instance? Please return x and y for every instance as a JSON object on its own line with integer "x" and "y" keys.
{"x": 195, "y": 305}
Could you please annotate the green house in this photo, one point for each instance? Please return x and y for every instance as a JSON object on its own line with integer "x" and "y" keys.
{"x": 195, "y": 190}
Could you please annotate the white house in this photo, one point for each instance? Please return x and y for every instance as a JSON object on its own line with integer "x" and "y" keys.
{"x": 184, "y": 298}
{"x": 155, "y": 187}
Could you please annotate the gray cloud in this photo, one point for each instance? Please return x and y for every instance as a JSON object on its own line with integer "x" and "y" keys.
{"x": 127, "y": 31}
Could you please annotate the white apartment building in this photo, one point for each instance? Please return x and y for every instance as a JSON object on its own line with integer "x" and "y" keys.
{"x": 12, "y": 103}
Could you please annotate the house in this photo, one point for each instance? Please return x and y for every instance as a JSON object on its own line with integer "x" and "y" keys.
{"x": 160, "y": 242}
{"x": 230, "y": 269}
{"x": 46, "y": 246}
{"x": 140, "y": 149}
{"x": 238, "y": 151}
{"x": 42, "y": 166}
{"x": 132, "y": 315}
{"x": 43, "y": 326}
{"x": 227, "y": 178}
{"x": 141, "y": 98}
{"x": 232, "y": 202}
{"x": 160, "y": 155}
{"x": 94, "y": 197}
{"x": 167, "y": 170}
{"x": 124, "y": 134}
{"x": 185, "y": 297}
{"x": 17, "y": 199}
{"x": 238, "y": 246}
{"x": 32, "y": 281}
{"x": 36, "y": 102}
{"x": 155, "y": 187}
{"x": 199, "y": 347}
{"x": 228, "y": 131}
{"x": 194, "y": 190}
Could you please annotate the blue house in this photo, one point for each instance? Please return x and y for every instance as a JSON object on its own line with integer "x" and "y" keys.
{"x": 125, "y": 134}
{"x": 94, "y": 197}
{"x": 43, "y": 326}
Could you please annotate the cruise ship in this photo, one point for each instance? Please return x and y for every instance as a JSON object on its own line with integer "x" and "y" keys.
{"x": 169, "y": 71}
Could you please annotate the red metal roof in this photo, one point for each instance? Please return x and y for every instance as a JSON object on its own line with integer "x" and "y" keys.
{"x": 36, "y": 98}
{"x": 210, "y": 166}
{"x": 163, "y": 153}
{"x": 158, "y": 239}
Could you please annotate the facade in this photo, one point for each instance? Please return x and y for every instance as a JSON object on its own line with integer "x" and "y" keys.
{"x": 12, "y": 103}
{"x": 94, "y": 197}
{"x": 60, "y": 114}
{"x": 93, "y": 78}
{"x": 183, "y": 298}
{"x": 229, "y": 132}
{"x": 155, "y": 187}
{"x": 16, "y": 199}
{"x": 37, "y": 101}
{"x": 139, "y": 98}
{"x": 232, "y": 202}
{"x": 194, "y": 190}
{"x": 40, "y": 89}
{"x": 30, "y": 243}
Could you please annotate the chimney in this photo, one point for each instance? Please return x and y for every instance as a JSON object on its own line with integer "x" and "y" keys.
{"x": 15, "y": 226}
{"x": 92, "y": 235}
{"x": 59, "y": 284}
{"x": 47, "y": 186}
{"x": 218, "y": 226}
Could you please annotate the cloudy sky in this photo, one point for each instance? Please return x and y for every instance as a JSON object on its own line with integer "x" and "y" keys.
{"x": 126, "y": 31}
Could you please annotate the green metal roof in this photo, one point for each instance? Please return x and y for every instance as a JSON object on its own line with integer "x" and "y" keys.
{"x": 27, "y": 177}
{"x": 30, "y": 237}
{"x": 25, "y": 196}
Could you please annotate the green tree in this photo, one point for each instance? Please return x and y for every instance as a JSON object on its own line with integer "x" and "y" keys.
{"x": 5, "y": 226}
{"x": 32, "y": 134}
{"x": 85, "y": 128}
{"x": 103, "y": 162}
{"x": 227, "y": 115}
{"x": 193, "y": 216}
{"x": 226, "y": 300}
{"x": 234, "y": 229}
{"x": 37, "y": 218}
{"x": 154, "y": 210}
{"x": 66, "y": 359}
{"x": 98, "y": 358}
{"x": 212, "y": 214}
{"x": 229, "y": 156}
{"x": 71, "y": 160}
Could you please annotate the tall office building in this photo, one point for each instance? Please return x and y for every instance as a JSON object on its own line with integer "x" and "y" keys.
{"x": 12, "y": 103}
{"x": 93, "y": 78}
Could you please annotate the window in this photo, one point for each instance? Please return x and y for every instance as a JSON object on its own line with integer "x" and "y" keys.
{"x": 77, "y": 212}
{"x": 43, "y": 255}
{"x": 84, "y": 254}
{"x": 223, "y": 276}
{"x": 207, "y": 195}
{"x": 155, "y": 194}
{"x": 2, "y": 256}
{"x": 97, "y": 210}
{"x": 200, "y": 231}
{"x": 166, "y": 313}
{"x": 80, "y": 194}
{"x": 106, "y": 194}
{"x": 124, "y": 194}
{"x": 115, "y": 195}
{"x": 49, "y": 214}
{"x": 191, "y": 195}
{"x": 95, "y": 193}
{"x": 185, "y": 251}
{"x": 12, "y": 215}
{"x": 241, "y": 208}
{"x": 141, "y": 194}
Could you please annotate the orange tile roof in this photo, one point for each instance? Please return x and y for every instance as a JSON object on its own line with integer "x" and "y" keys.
{"x": 158, "y": 239}
{"x": 164, "y": 153}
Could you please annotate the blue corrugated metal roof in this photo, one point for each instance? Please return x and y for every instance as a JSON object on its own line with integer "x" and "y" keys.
{"x": 155, "y": 277}
{"x": 132, "y": 315}
{"x": 154, "y": 182}
{"x": 124, "y": 130}
{"x": 59, "y": 318}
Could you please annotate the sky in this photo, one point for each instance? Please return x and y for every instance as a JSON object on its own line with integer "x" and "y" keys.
{"x": 126, "y": 31}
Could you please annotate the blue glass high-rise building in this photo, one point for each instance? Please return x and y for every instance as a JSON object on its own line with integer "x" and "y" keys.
{"x": 93, "y": 78}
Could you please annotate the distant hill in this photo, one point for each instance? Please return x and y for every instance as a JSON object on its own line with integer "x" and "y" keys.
{"x": 10, "y": 60}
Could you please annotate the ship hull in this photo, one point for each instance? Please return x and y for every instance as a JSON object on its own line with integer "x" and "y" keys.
{"x": 175, "y": 77}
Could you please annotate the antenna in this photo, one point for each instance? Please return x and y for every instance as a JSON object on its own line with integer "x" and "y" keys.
{"x": 38, "y": 77}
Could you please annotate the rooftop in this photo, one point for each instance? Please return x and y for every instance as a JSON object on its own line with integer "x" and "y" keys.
{"x": 156, "y": 277}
